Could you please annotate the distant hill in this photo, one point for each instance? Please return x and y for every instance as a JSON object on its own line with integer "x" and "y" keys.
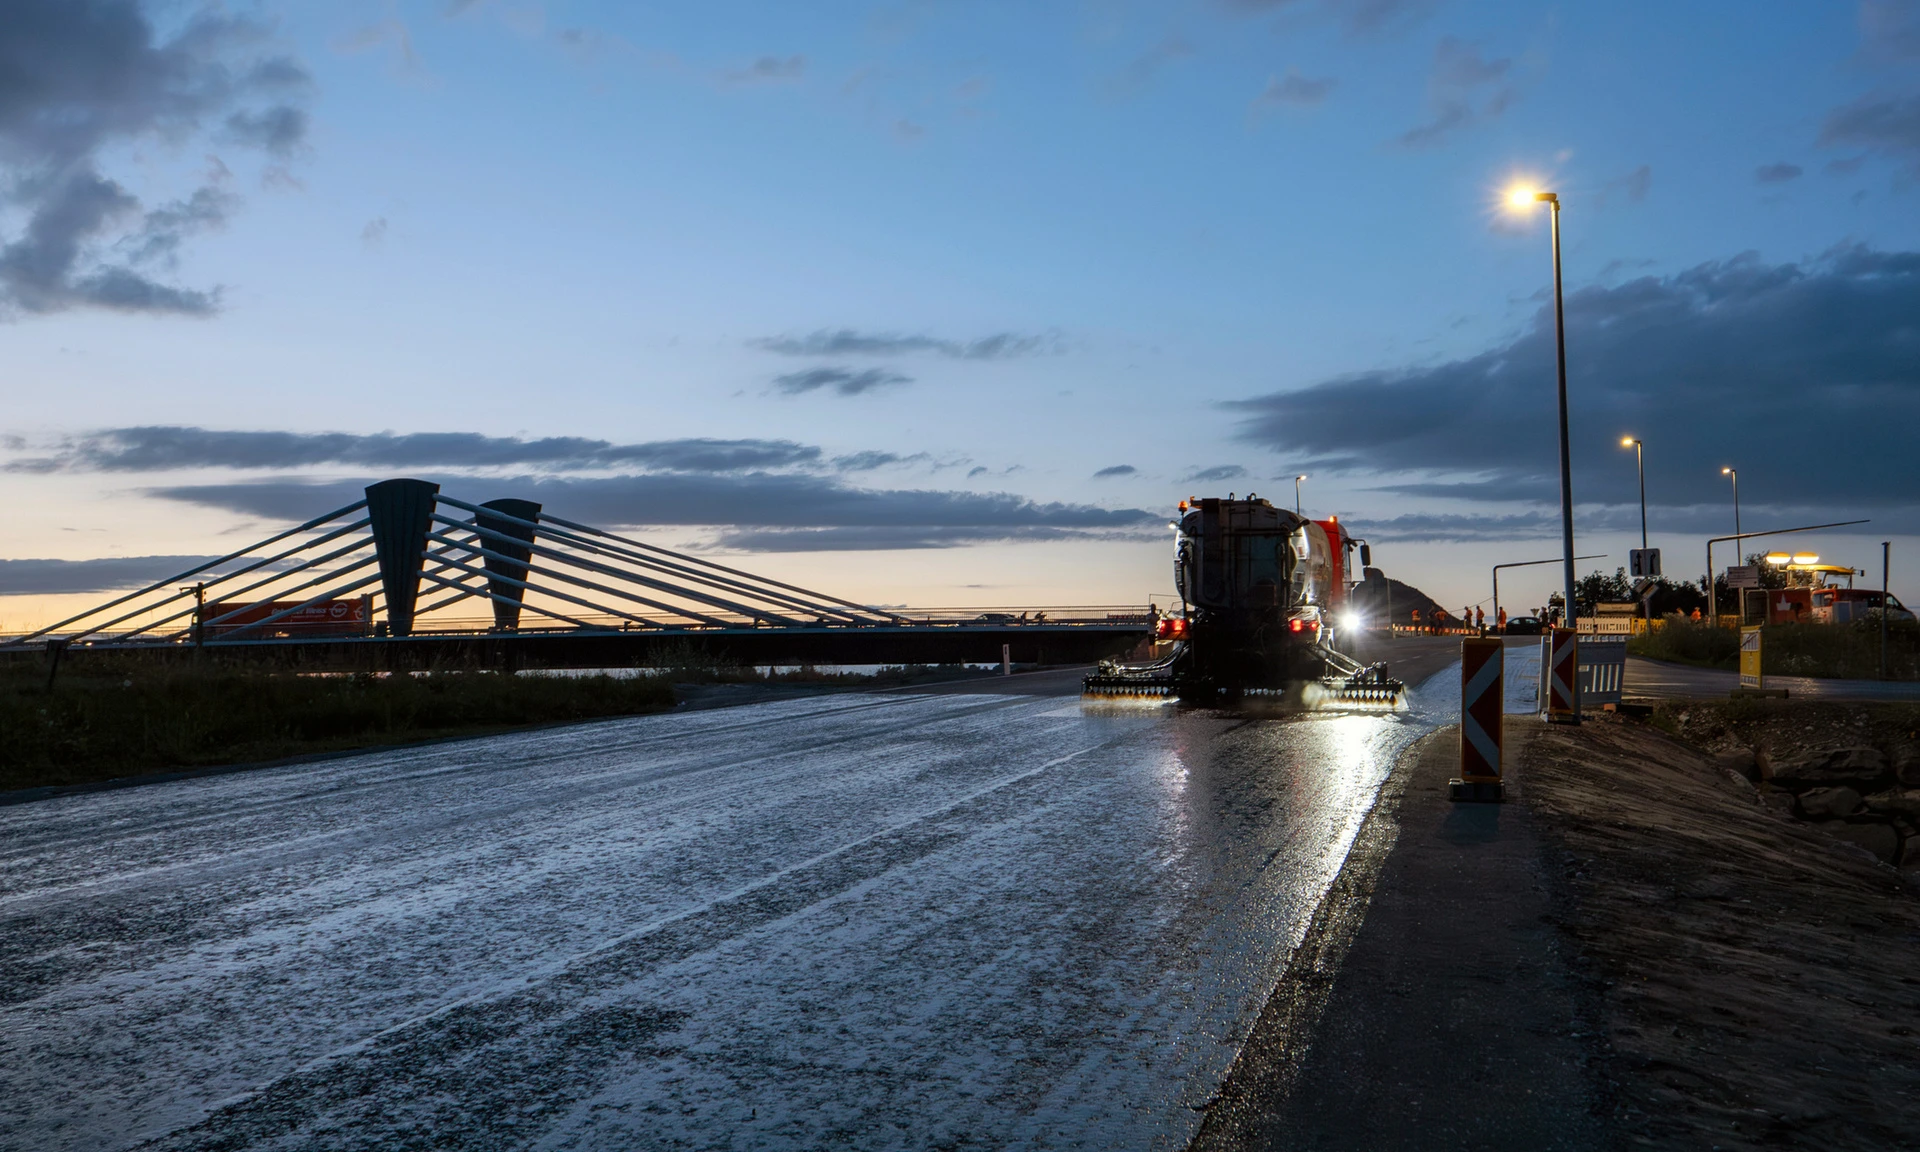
{"x": 1370, "y": 598}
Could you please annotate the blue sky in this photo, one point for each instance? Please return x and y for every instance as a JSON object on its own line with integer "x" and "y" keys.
{"x": 934, "y": 266}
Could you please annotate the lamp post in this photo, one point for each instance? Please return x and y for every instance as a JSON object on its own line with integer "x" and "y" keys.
{"x": 1524, "y": 198}
{"x": 1734, "y": 474}
{"x": 1296, "y": 494}
{"x": 1640, "y": 460}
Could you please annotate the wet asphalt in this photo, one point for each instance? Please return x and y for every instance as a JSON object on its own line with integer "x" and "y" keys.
{"x": 902, "y": 920}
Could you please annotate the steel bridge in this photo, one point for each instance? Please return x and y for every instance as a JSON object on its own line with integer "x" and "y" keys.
{"x": 373, "y": 585}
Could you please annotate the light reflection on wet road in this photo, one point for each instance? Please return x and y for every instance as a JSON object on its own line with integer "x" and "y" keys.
{"x": 866, "y": 921}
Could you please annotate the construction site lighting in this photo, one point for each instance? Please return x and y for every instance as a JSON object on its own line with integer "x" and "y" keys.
{"x": 1806, "y": 558}
{"x": 1777, "y": 558}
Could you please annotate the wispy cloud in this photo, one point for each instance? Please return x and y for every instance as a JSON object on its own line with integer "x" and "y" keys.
{"x": 1114, "y": 471}
{"x": 1464, "y": 88}
{"x": 845, "y": 381}
{"x": 1294, "y": 91}
{"x": 1779, "y": 173}
{"x": 852, "y": 342}
{"x": 770, "y": 70}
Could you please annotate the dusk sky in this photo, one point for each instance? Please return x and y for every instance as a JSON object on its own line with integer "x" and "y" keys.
{"x": 947, "y": 303}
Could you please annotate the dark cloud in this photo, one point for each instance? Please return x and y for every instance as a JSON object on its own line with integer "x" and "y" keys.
{"x": 848, "y": 342}
{"x": 1890, "y": 31}
{"x": 1777, "y": 173}
{"x": 1294, "y": 90}
{"x": 1416, "y": 527}
{"x": 1464, "y": 88}
{"x": 162, "y": 448}
{"x": 1887, "y": 124}
{"x": 1358, "y": 17}
{"x": 374, "y": 232}
{"x": 793, "y": 504}
{"x": 770, "y": 69}
{"x": 1115, "y": 470}
{"x": 846, "y": 381}
{"x": 29, "y": 577}
{"x": 1216, "y": 474}
{"x": 1635, "y": 184}
{"x": 78, "y": 77}
{"x": 1807, "y": 376}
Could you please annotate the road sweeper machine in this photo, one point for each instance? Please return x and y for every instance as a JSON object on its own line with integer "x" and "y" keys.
{"x": 1266, "y": 612}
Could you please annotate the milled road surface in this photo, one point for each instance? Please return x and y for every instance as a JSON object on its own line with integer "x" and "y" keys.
{"x": 869, "y": 921}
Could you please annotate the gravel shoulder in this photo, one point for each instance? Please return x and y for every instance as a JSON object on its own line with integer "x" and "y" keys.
{"x": 1638, "y": 950}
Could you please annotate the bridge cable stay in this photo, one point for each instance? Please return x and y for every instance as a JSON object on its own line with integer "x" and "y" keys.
{"x": 539, "y": 549}
{"x": 174, "y": 580}
{"x": 894, "y": 616}
{"x": 679, "y": 569}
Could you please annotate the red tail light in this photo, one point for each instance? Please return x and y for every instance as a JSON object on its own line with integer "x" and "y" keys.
{"x": 1295, "y": 625}
{"x": 1172, "y": 628}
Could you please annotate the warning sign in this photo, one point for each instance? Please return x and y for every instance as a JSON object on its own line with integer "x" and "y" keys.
{"x": 1749, "y": 657}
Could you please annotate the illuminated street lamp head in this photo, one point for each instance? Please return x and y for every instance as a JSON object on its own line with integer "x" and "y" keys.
{"x": 1726, "y": 471}
{"x": 1299, "y": 477}
{"x": 1521, "y": 197}
{"x": 1628, "y": 441}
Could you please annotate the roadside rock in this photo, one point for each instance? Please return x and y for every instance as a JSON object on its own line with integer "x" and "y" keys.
{"x": 1858, "y": 766}
{"x": 1906, "y": 765}
{"x": 1823, "y": 803}
{"x": 1740, "y": 762}
{"x": 1878, "y": 839}
{"x": 1910, "y": 853}
{"x": 1779, "y": 803}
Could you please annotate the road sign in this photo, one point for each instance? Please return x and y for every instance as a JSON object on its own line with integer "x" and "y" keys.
{"x": 1750, "y": 658}
{"x": 1603, "y": 667}
{"x": 1561, "y": 668}
{"x": 1643, "y": 563}
{"x": 1482, "y": 720}
{"x": 1743, "y": 576}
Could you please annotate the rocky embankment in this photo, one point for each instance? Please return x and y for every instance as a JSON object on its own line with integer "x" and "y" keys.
{"x": 1851, "y": 771}
{"x": 1731, "y": 915}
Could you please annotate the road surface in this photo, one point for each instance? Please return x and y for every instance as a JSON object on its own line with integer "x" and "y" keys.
{"x": 909, "y": 920}
{"x": 1658, "y": 680}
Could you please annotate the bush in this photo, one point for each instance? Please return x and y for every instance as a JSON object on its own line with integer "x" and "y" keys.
{"x": 1826, "y": 650}
{"x": 1685, "y": 642}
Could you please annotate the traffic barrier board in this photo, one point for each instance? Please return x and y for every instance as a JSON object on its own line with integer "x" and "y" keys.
{"x": 1482, "y": 710}
{"x": 1561, "y": 671}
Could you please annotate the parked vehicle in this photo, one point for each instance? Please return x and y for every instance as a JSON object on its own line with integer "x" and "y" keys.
{"x": 1525, "y": 625}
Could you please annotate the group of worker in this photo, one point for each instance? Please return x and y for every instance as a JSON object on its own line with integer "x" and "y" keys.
{"x": 1439, "y": 621}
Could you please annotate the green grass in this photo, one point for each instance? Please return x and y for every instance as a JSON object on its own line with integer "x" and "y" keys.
{"x": 102, "y": 722}
{"x": 1838, "y": 651}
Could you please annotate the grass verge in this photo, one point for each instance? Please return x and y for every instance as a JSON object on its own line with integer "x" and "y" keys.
{"x": 102, "y": 722}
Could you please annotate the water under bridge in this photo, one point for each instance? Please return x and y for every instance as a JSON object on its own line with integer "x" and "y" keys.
{"x": 382, "y": 582}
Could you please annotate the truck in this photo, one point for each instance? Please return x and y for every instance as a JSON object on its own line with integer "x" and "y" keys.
{"x": 1266, "y": 611}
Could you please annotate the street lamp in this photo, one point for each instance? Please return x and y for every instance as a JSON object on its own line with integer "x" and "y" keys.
{"x": 1639, "y": 458}
{"x": 1522, "y": 198}
{"x": 1735, "y": 474}
{"x": 1296, "y": 494}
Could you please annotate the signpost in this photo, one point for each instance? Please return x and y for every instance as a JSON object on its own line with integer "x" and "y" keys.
{"x": 1482, "y": 721}
{"x": 1643, "y": 563}
{"x": 1743, "y": 576}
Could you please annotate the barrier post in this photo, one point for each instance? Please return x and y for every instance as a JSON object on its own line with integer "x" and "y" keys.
{"x": 1563, "y": 677}
{"x": 1482, "y": 722}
